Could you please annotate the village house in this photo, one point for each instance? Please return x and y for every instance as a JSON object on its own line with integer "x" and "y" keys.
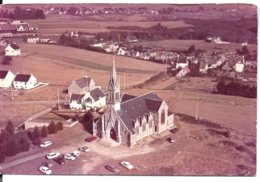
{"x": 24, "y": 81}
{"x": 130, "y": 118}
{"x": 90, "y": 100}
{"x": 131, "y": 38}
{"x": 32, "y": 39}
{"x": 81, "y": 86}
{"x": 239, "y": 67}
{"x": 6, "y": 79}
{"x": 182, "y": 63}
{"x": 12, "y": 50}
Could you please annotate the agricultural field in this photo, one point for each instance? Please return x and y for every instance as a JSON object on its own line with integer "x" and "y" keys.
{"x": 94, "y": 24}
{"x": 182, "y": 45}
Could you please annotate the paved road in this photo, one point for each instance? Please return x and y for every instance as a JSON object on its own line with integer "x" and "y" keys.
{"x": 22, "y": 160}
{"x": 42, "y": 102}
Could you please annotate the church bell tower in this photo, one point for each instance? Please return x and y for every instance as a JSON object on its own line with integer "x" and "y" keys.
{"x": 114, "y": 89}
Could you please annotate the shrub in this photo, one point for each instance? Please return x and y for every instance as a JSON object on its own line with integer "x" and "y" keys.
{"x": 10, "y": 128}
{"x": 59, "y": 126}
{"x": 52, "y": 129}
{"x": 44, "y": 131}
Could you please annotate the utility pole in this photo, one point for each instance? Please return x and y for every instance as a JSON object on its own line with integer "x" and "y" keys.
{"x": 58, "y": 94}
{"x": 197, "y": 107}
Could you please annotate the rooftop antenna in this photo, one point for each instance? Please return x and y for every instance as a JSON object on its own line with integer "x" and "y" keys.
{"x": 197, "y": 107}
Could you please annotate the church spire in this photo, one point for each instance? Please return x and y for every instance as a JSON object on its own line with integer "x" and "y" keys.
{"x": 114, "y": 88}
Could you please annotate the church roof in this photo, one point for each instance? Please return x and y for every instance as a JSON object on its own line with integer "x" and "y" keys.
{"x": 136, "y": 107}
{"x": 126, "y": 97}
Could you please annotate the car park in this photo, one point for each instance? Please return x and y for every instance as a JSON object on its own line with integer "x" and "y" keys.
{"x": 90, "y": 139}
{"x": 84, "y": 149}
{"x": 52, "y": 155}
{"x": 75, "y": 153}
{"x": 45, "y": 170}
{"x": 69, "y": 156}
{"x": 45, "y": 144}
{"x": 127, "y": 165}
{"x": 60, "y": 160}
{"x": 112, "y": 169}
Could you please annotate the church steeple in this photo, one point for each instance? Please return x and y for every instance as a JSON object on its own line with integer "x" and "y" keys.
{"x": 114, "y": 88}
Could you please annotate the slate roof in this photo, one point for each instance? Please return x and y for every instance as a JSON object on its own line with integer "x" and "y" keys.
{"x": 126, "y": 97}
{"x": 138, "y": 107}
{"x": 83, "y": 82}
{"x": 76, "y": 97}
{"x": 3, "y": 74}
{"x": 15, "y": 46}
{"x": 22, "y": 77}
{"x": 96, "y": 93}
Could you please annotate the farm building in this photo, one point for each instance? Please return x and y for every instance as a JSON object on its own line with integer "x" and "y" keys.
{"x": 12, "y": 50}
{"x": 24, "y": 81}
{"x": 32, "y": 39}
{"x": 131, "y": 118}
{"x": 90, "y": 100}
{"x": 6, "y": 79}
{"x": 81, "y": 86}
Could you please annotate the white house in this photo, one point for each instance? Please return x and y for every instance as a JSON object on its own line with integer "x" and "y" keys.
{"x": 239, "y": 67}
{"x": 6, "y": 79}
{"x": 93, "y": 99}
{"x": 24, "y": 81}
{"x": 12, "y": 50}
{"x": 182, "y": 63}
{"x": 34, "y": 39}
{"x": 81, "y": 86}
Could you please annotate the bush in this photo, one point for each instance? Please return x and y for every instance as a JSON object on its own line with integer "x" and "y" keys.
{"x": 59, "y": 126}
{"x": 24, "y": 144}
{"x": 10, "y": 128}
{"x": 36, "y": 136}
{"x": 44, "y": 131}
{"x": 12, "y": 147}
{"x": 2, "y": 153}
{"x": 52, "y": 129}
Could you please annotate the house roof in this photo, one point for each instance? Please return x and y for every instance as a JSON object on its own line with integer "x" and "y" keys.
{"x": 14, "y": 46}
{"x": 97, "y": 93}
{"x": 138, "y": 107}
{"x": 83, "y": 82}
{"x": 22, "y": 77}
{"x": 3, "y": 74}
{"x": 76, "y": 97}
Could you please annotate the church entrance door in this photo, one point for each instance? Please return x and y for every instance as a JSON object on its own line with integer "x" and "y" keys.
{"x": 113, "y": 134}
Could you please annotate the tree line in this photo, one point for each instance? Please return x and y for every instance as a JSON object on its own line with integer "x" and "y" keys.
{"x": 232, "y": 87}
{"x": 23, "y": 14}
{"x": 12, "y": 143}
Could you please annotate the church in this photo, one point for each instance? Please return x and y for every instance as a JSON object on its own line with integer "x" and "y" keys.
{"x": 130, "y": 118}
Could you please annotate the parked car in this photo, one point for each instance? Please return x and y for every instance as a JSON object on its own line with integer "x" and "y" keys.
{"x": 60, "y": 160}
{"x": 112, "y": 169}
{"x": 45, "y": 170}
{"x": 90, "y": 139}
{"x": 69, "y": 156}
{"x": 45, "y": 144}
{"x": 53, "y": 155}
{"x": 75, "y": 153}
{"x": 84, "y": 149}
{"x": 47, "y": 164}
{"x": 127, "y": 165}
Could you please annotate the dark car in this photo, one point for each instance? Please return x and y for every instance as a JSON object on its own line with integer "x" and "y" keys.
{"x": 47, "y": 164}
{"x": 112, "y": 169}
{"x": 90, "y": 139}
{"x": 60, "y": 160}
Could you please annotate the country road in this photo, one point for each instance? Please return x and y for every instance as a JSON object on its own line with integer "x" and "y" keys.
{"x": 42, "y": 102}
{"x": 22, "y": 160}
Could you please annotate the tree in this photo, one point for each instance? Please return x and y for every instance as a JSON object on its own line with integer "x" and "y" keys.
{"x": 2, "y": 153}
{"x": 11, "y": 147}
{"x": 59, "y": 126}
{"x": 44, "y": 131}
{"x": 52, "y": 129}
{"x": 191, "y": 48}
{"x": 7, "y": 60}
{"x": 245, "y": 50}
{"x": 36, "y": 136}
{"x": 10, "y": 128}
{"x": 24, "y": 144}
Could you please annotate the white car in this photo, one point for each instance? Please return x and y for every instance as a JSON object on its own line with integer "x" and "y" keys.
{"x": 84, "y": 149}
{"x": 127, "y": 165}
{"x": 75, "y": 153}
{"x": 45, "y": 170}
{"x": 45, "y": 144}
{"x": 53, "y": 155}
{"x": 69, "y": 156}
